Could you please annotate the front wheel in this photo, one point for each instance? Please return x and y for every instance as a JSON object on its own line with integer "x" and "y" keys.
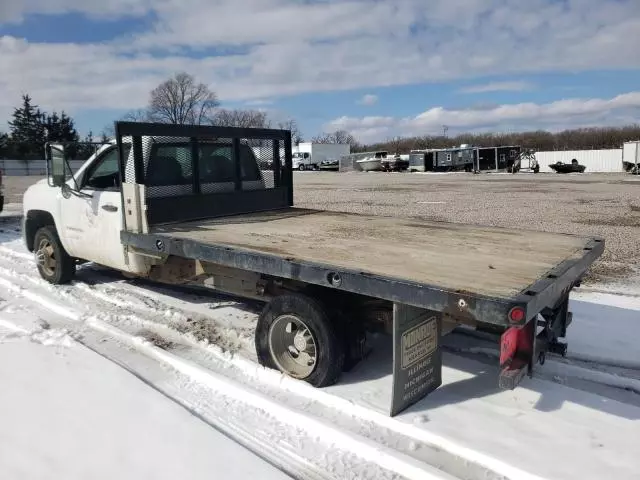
{"x": 301, "y": 168}
{"x": 54, "y": 263}
{"x": 296, "y": 336}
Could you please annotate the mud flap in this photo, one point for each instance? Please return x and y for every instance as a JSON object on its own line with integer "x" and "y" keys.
{"x": 417, "y": 358}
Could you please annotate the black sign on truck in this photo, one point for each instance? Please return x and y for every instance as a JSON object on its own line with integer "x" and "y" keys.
{"x": 417, "y": 359}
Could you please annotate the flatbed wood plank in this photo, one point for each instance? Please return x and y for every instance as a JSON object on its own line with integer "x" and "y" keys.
{"x": 488, "y": 261}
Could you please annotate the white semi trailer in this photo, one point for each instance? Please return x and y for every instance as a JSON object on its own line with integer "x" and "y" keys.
{"x": 309, "y": 156}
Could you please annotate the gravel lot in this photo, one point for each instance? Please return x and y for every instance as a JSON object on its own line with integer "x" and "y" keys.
{"x": 14, "y": 187}
{"x": 606, "y": 205}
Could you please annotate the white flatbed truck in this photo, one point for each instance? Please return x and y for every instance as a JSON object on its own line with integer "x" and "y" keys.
{"x": 190, "y": 205}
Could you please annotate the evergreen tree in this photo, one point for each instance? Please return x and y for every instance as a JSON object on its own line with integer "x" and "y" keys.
{"x": 53, "y": 132}
{"x": 28, "y": 130}
{"x": 4, "y": 145}
{"x": 61, "y": 128}
{"x": 31, "y": 128}
{"x": 86, "y": 149}
{"x": 67, "y": 129}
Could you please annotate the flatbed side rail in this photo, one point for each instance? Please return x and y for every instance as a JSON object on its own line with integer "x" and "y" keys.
{"x": 193, "y": 172}
{"x": 557, "y": 283}
{"x": 458, "y": 304}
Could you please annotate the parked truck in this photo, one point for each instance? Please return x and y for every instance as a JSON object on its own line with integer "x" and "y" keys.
{"x": 310, "y": 156}
{"x": 191, "y": 205}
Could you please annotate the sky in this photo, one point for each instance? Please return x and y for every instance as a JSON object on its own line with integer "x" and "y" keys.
{"x": 373, "y": 67}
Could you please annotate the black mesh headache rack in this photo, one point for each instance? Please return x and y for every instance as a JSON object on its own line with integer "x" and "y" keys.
{"x": 225, "y": 196}
{"x": 194, "y": 172}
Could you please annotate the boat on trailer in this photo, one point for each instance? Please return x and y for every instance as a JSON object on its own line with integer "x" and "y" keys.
{"x": 372, "y": 162}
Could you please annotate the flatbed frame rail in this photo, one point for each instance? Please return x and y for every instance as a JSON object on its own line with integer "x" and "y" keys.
{"x": 535, "y": 298}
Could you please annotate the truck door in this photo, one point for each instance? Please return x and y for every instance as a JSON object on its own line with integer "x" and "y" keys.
{"x": 92, "y": 221}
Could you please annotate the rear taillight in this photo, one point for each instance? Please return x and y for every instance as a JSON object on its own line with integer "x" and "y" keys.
{"x": 517, "y": 315}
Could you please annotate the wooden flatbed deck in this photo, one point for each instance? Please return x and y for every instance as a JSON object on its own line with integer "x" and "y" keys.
{"x": 488, "y": 261}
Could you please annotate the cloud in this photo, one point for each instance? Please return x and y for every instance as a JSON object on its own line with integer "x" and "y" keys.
{"x": 258, "y": 102}
{"x": 556, "y": 115}
{"x": 515, "y": 86}
{"x": 368, "y": 100}
{"x": 189, "y": 22}
{"x": 336, "y": 50}
{"x": 14, "y": 11}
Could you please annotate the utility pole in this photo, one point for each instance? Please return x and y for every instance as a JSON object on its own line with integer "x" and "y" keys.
{"x": 445, "y": 129}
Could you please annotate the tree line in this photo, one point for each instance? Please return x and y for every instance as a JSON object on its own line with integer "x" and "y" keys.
{"x": 31, "y": 128}
{"x": 181, "y": 100}
{"x": 594, "y": 138}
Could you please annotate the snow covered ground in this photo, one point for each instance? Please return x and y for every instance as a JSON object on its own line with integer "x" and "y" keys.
{"x": 67, "y": 412}
{"x": 123, "y": 378}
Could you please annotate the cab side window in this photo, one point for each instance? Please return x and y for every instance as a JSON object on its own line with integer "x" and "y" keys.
{"x": 104, "y": 175}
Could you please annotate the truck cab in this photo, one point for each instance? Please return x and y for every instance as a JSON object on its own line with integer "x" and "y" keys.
{"x": 303, "y": 161}
{"x": 82, "y": 220}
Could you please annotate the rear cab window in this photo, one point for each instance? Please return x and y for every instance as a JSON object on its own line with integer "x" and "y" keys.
{"x": 171, "y": 164}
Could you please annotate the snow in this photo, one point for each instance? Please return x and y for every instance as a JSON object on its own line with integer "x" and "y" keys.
{"x": 68, "y": 413}
{"x": 606, "y": 329}
{"x": 191, "y": 354}
{"x": 470, "y": 412}
{"x": 11, "y": 210}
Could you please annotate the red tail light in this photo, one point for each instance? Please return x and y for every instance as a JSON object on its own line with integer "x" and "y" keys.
{"x": 517, "y": 315}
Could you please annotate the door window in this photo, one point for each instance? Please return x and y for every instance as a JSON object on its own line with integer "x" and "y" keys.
{"x": 104, "y": 175}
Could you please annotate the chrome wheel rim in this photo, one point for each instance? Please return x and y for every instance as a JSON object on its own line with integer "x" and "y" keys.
{"x": 46, "y": 257}
{"x": 292, "y": 346}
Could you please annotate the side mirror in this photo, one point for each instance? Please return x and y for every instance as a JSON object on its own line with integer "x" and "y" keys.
{"x": 56, "y": 163}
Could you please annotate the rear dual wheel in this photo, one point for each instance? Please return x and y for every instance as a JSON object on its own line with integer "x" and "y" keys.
{"x": 296, "y": 336}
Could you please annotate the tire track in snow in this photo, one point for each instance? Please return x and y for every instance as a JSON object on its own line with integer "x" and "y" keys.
{"x": 335, "y": 402}
{"x": 253, "y": 372}
{"x": 363, "y": 448}
{"x": 447, "y": 455}
{"x": 327, "y": 406}
{"x": 464, "y": 463}
{"x": 287, "y": 461}
{"x": 348, "y": 449}
{"x": 171, "y": 317}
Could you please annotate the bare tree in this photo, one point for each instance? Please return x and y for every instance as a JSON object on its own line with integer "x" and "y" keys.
{"x": 180, "y": 100}
{"x": 138, "y": 115}
{"x": 395, "y": 143}
{"x": 241, "y": 118}
{"x": 540, "y": 140}
{"x": 292, "y": 126}
{"x": 339, "y": 136}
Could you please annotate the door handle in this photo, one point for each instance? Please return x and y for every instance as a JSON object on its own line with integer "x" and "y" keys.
{"x": 110, "y": 208}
